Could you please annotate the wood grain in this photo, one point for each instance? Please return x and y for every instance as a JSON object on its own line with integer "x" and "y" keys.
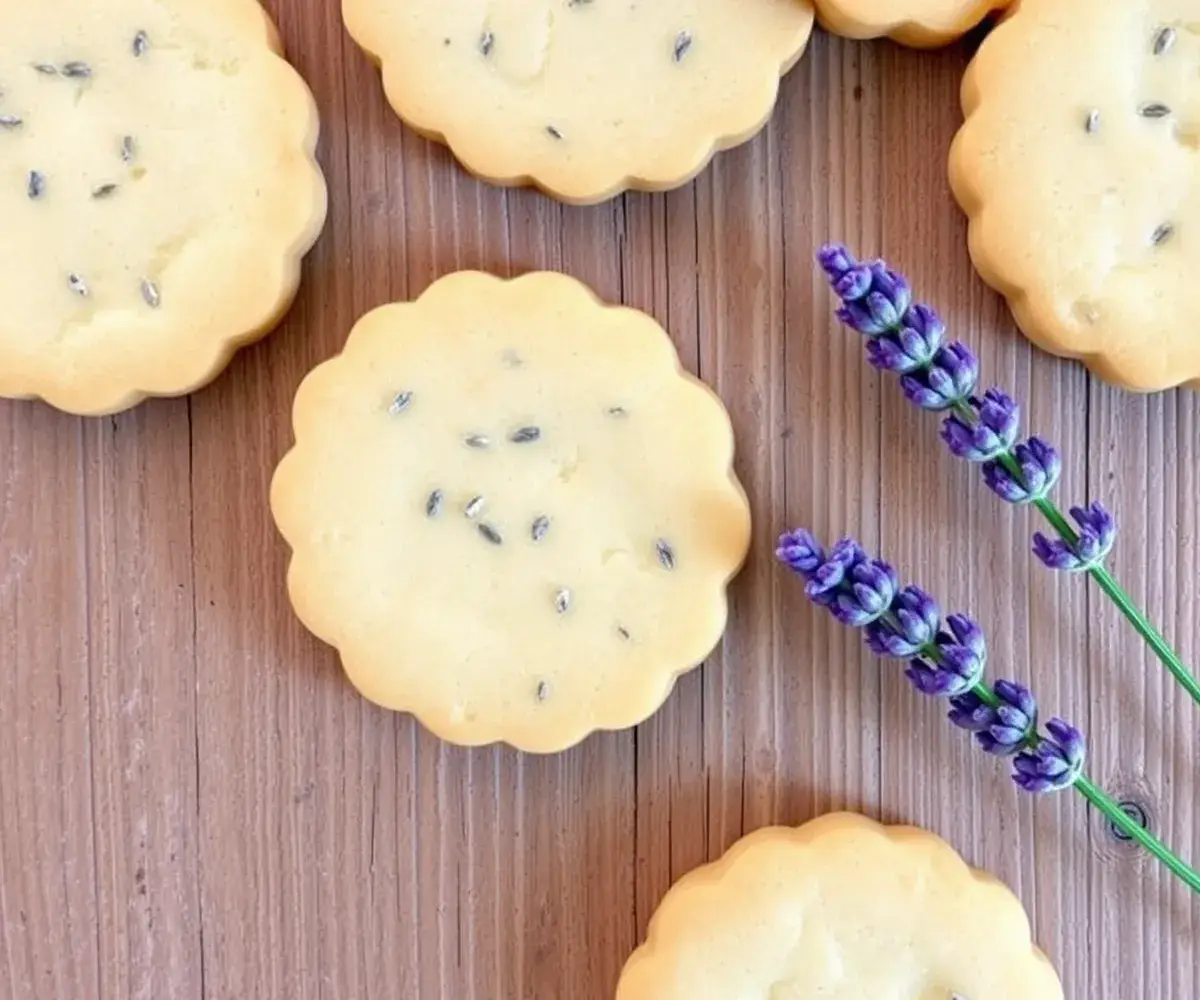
{"x": 193, "y": 802}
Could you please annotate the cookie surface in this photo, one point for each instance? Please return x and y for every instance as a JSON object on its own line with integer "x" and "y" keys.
{"x": 511, "y": 511}
{"x": 917, "y": 23}
{"x": 583, "y": 98}
{"x": 1077, "y": 166}
{"x": 840, "y": 908}
{"x": 158, "y": 189}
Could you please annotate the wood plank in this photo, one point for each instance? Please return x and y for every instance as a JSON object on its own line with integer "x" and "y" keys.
{"x": 195, "y": 803}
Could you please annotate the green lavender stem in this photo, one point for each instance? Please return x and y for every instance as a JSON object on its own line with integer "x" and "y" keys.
{"x": 1092, "y": 792}
{"x": 1104, "y": 579}
{"x": 1112, "y": 810}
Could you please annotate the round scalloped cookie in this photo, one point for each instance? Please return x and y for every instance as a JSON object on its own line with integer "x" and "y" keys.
{"x": 1077, "y": 167}
{"x": 511, "y": 511}
{"x": 158, "y": 188}
{"x": 921, "y": 24}
{"x": 583, "y": 98}
{"x": 843, "y": 909}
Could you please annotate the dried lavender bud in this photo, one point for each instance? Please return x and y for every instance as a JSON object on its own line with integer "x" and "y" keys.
{"x": 1001, "y": 731}
{"x": 683, "y": 44}
{"x": 1055, "y": 763}
{"x": 961, "y": 656}
{"x": 1040, "y": 468}
{"x": 617, "y": 411}
{"x": 553, "y": 132}
{"x": 540, "y": 526}
{"x": 995, "y": 429}
{"x": 1163, "y": 41}
{"x": 127, "y": 149}
{"x": 401, "y": 402}
{"x": 76, "y": 70}
{"x": 487, "y": 42}
{"x": 1162, "y": 234}
{"x": 525, "y": 435}
{"x": 1097, "y": 534}
{"x": 490, "y": 533}
{"x": 562, "y": 601}
{"x": 46, "y": 69}
{"x": 104, "y": 191}
{"x": 434, "y": 503}
{"x": 666, "y": 554}
{"x": 1092, "y": 121}
{"x": 150, "y": 293}
{"x": 10, "y": 121}
{"x": 623, "y": 633}
{"x": 141, "y": 42}
{"x": 1153, "y": 109}
{"x": 36, "y": 185}
{"x": 914, "y": 622}
{"x": 76, "y": 283}
{"x": 474, "y": 507}
{"x": 542, "y": 692}
{"x": 477, "y": 441}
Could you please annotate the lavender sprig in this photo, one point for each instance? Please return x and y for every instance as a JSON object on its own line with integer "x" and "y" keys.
{"x": 947, "y": 659}
{"x": 909, "y": 340}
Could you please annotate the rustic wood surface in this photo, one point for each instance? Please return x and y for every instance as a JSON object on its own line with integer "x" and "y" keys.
{"x": 195, "y": 804}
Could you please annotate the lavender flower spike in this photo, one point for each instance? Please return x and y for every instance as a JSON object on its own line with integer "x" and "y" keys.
{"x": 1004, "y": 729}
{"x": 1097, "y": 534}
{"x": 1055, "y": 763}
{"x": 1040, "y": 468}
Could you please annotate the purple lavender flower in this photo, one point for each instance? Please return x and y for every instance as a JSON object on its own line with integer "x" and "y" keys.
{"x": 912, "y": 625}
{"x": 998, "y": 419}
{"x": 957, "y": 666}
{"x": 1002, "y": 730}
{"x": 1055, "y": 763}
{"x": 800, "y": 552}
{"x": 947, "y": 381}
{"x": 856, "y": 589}
{"x": 1097, "y": 533}
{"x": 910, "y": 348}
{"x": 1040, "y": 468}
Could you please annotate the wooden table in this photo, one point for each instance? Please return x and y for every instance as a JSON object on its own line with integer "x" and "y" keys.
{"x": 195, "y": 804}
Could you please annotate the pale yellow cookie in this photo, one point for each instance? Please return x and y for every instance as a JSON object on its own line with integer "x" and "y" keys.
{"x": 839, "y": 909}
{"x": 1078, "y": 167}
{"x": 920, "y": 24}
{"x": 511, "y": 511}
{"x": 157, "y": 191}
{"x": 583, "y": 98}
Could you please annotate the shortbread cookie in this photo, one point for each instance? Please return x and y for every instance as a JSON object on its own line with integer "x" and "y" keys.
{"x": 583, "y": 98}
{"x": 921, "y": 24}
{"x": 511, "y": 511}
{"x": 1078, "y": 168}
{"x": 842, "y": 909}
{"x": 157, "y": 191}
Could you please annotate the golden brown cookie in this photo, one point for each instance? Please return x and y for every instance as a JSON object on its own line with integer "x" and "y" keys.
{"x": 842, "y": 909}
{"x": 158, "y": 189}
{"x": 1078, "y": 169}
{"x": 511, "y": 511}
{"x": 583, "y": 98}
{"x": 920, "y": 24}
